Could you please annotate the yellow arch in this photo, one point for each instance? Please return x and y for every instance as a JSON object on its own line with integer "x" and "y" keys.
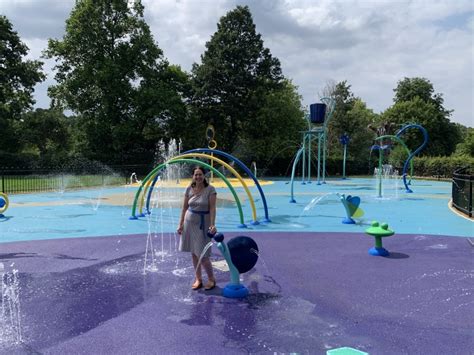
{"x": 232, "y": 170}
{"x": 227, "y": 166}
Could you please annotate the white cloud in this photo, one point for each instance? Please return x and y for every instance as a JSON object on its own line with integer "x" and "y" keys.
{"x": 370, "y": 43}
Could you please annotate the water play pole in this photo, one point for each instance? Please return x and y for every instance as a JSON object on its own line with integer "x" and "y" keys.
{"x": 212, "y": 144}
{"x": 319, "y": 157}
{"x": 308, "y": 180}
{"x": 380, "y": 171}
{"x": 304, "y": 160}
{"x": 241, "y": 165}
{"x": 331, "y": 104}
{"x": 344, "y": 139}
{"x": 196, "y": 162}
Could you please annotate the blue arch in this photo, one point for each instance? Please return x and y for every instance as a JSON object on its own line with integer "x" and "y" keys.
{"x": 412, "y": 155}
{"x": 150, "y": 192}
{"x": 241, "y": 165}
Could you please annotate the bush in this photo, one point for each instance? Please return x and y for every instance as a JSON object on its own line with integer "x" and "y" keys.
{"x": 441, "y": 167}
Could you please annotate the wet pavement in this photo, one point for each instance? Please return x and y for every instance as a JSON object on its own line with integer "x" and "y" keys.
{"x": 309, "y": 292}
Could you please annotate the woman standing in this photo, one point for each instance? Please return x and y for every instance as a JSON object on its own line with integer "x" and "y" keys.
{"x": 198, "y": 217}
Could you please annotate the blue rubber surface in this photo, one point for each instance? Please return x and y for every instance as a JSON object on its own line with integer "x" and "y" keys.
{"x": 86, "y": 213}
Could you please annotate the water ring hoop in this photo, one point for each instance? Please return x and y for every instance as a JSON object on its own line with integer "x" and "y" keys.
{"x": 212, "y": 144}
{"x": 3, "y": 202}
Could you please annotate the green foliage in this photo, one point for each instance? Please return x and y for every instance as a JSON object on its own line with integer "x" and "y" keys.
{"x": 410, "y": 88}
{"x": 466, "y": 147}
{"x": 46, "y": 133}
{"x": 340, "y": 122}
{"x": 234, "y": 77}
{"x": 415, "y": 102}
{"x": 361, "y": 137}
{"x": 273, "y": 137}
{"x": 18, "y": 78}
{"x": 351, "y": 117}
{"x": 397, "y": 157}
{"x": 440, "y": 167}
{"x": 111, "y": 73}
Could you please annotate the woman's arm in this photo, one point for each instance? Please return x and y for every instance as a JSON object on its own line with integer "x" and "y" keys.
{"x": 179, "y": 230}
{"x": 212, "y": 213}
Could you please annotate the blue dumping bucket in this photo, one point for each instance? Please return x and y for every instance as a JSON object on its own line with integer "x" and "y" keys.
{"x": 317, "y": 112}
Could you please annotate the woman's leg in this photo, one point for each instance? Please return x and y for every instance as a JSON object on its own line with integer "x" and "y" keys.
{"x": 206, "y": 262}
{"x": 197, "y": 270}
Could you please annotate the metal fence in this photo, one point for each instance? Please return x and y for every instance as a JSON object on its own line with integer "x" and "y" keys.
{"x": 462, "y": 191}
{"x": 15, "y": 180}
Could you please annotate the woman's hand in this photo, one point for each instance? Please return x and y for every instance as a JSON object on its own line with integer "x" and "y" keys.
{"x": 212, "y": 229}
{"x": 179, "y": 230}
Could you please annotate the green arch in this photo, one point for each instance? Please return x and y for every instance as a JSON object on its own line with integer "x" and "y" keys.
{"x": 404, "y": 146}
{"x": 194, "y": 161}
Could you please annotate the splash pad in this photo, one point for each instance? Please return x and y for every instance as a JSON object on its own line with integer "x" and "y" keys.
{"x": 314, "y": 287}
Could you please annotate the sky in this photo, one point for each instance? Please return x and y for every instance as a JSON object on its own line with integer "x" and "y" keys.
{"x": 370, "y": 44}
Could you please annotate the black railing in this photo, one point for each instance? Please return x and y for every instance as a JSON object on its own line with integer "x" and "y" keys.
{"x": 462, "y": 191}
{"x": 15, "y": 180}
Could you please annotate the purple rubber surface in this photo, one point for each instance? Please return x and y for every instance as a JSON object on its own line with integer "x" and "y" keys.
{"x": 309, "y": 292}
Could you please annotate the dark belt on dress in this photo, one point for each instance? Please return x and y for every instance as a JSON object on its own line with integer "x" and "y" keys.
{"x": 202, "y": 214}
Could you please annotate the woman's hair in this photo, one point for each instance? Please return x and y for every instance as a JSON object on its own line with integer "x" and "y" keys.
{"x": 206, "y": 184}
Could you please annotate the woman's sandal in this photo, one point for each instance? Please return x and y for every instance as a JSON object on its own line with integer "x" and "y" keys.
{"x": 210, "y": 285}
{"x": 197, "y": 285}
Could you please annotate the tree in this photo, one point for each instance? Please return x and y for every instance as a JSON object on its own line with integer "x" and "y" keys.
{"x": 18, "y": 78}
{"x": 273, "y": 137}
{"x": 410, "y": 88}
{"x": 46, "y": 134}
{"x": 351, "y": 116}
{"x": 466, "y": 147}
{"x": 111, "y": 73}
{"x": 235, "y": 74}
{"x": 361, "y": 137}
{"x": 340, "y": 122}
{"x": 416, "y": 102}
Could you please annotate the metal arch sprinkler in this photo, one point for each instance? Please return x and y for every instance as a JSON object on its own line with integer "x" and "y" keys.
{"x": 234, "y": 172}
{"x": 243, "y": 167}
{"x": 300, "y": 151}
{"x": 417, "y": 150}
{"x": 149, "y": 188}
{"x": 196, "y": 162}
